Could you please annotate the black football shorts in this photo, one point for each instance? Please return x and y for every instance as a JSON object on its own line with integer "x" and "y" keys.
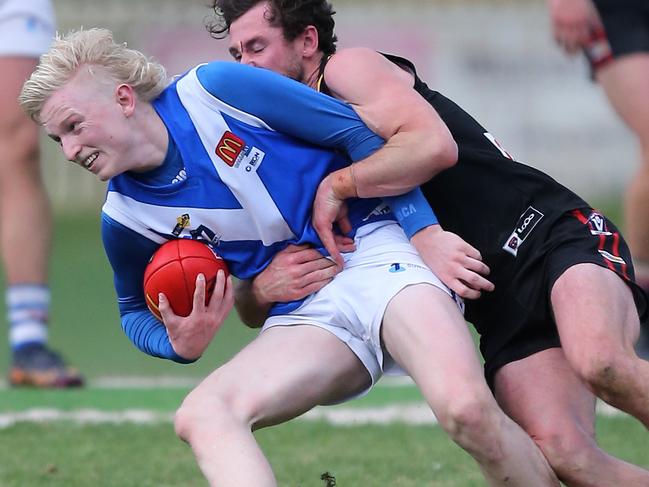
{"x": 626, "y": 31}
{"x": 521, "y": 321}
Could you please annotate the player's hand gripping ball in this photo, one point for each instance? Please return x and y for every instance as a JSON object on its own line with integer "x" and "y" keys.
{"x": 172, "y": 270}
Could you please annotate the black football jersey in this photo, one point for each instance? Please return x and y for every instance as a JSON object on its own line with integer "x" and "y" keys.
{"x": 502, "y": 207}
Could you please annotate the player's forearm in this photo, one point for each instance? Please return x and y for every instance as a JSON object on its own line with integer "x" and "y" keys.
{"x": 149, "y": 335}
{"x": 405, "y": 162}
{"x": 250, "y": 307}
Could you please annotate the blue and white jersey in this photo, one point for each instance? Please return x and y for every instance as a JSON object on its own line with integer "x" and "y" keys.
{"x": 250, "y": 148}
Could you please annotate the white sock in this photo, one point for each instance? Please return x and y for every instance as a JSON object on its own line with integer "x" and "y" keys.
{"x": 28, "y": 309}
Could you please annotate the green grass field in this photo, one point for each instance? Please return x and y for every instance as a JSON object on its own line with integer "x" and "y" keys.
{"x": 125, "y": 454}
{"x": 118, "y": 451}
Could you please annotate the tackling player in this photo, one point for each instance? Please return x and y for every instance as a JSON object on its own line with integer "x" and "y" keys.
{"x": 564, "y": 316}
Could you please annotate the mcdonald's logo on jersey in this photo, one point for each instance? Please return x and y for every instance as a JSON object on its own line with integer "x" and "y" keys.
{"x": 229, "y": 148}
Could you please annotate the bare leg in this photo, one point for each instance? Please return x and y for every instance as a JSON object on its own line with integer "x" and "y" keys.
{"x": 426, "y": 334}
{"x": 544, "y": 396}
{"x": 25, "y": 239}
{"x": 598, "y": 325}
{"x": 281, "y": 374}
{"x": 625, "y": 84}
{"x": 25, "y": 222}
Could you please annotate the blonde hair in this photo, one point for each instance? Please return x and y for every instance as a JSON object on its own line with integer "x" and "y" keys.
{"x": 91, "y": 47}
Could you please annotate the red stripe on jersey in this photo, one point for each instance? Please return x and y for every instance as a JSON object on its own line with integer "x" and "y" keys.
{"x": 602, "y": 246}
{"x": 616, "y": 252}
{"x": 580, "y": 216}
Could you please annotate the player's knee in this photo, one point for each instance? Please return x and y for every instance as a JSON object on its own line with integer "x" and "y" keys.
{"x": 183, "y": 422}
{"x": 191, "y": 416}
{"x": 212, "y": 413}
{"x": 607, "y": 370}
{"x": 471, "y": 422}
{"x": 571, "y": 453}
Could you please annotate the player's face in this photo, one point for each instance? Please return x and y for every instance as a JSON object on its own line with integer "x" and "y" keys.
{"x": 255, "y": 42}
{"x": 85, "y": 118}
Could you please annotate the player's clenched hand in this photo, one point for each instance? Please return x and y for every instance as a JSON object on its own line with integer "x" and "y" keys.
{"x": 327, "y": 210}
{"x": 572, "y": 23}
{"x": 455, "y": 262}
{"x": 294, "y": 273}
{"x": 190, "y": 336}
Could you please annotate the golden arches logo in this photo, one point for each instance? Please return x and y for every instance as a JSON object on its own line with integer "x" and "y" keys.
{"x": 229, "y": 148}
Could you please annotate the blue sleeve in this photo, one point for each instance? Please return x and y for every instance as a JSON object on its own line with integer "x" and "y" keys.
{"x": 297, "y": 110}
{"x": 412, "y": 211}
{"x": 129, "y": 254}
{"x": 290, "y": 107}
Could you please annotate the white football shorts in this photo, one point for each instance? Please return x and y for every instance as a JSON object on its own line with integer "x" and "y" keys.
{"x": 27, "y": 27}
{"x": 352, "y": 305}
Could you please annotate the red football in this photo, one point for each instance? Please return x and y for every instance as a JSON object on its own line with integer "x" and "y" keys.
{"x": 172, "y": 270}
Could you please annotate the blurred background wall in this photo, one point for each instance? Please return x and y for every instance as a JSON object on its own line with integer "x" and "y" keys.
{"x": 497, "y": 59}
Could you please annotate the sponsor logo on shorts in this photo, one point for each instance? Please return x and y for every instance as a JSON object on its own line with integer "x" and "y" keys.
{"x": 401, "y": 267}
{"x": 526, "y": 223}
{"x": 597, "y": 224}
{"x": 229, "y": 148}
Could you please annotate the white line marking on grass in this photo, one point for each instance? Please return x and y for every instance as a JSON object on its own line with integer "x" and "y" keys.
{"x": 144, "y": 382}
{"x": 149, "y": 382}
{"x": 184, "y": 382}
{"x": 84, "y": 416}
{"x": 406, "y": 413}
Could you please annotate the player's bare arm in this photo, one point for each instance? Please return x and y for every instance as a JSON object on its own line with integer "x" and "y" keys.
{"x": 454, "y": 261}
{"x": 349, "y": 76}
{"x": 190, "y": 336}
{"x": 418, "y": 143}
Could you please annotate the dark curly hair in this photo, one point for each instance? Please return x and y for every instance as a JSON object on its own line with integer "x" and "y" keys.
{"x": 293, "y": 16}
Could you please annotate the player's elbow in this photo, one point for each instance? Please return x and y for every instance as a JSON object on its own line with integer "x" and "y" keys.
{"x": 447, "y": 153}
{"x": 442, "y": 154}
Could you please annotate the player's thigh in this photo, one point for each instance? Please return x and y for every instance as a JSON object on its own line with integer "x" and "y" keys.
{"x": 595, "y": 312}
{"x": 545, "y": 397}
{"x": 18, "y": 134}
{"x": 283, "y": 373}
{"x": 625, "y": 83}
{"x": 15, "y": 70}
{"x": 425, "y": 333}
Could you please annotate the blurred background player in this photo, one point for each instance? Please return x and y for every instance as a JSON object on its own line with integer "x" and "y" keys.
{"x": 26, "y": 30}
{"x": 614, "y": 36}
